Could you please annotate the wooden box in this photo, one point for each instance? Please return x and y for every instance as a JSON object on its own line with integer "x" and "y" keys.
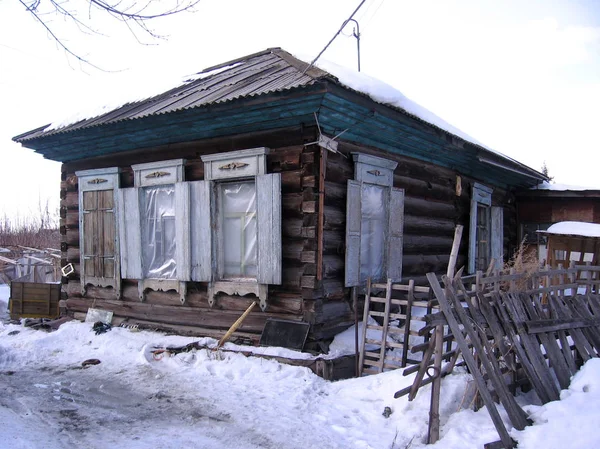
{"x": 34, "y": 300}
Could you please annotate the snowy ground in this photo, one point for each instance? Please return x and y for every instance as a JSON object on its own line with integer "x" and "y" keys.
{"x": 218, "y": 400}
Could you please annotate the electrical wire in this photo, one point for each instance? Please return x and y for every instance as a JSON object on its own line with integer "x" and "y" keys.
{"x": 336, "y": 35}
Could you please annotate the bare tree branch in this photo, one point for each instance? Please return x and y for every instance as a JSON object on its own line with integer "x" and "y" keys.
{"x": 135, "y": 15}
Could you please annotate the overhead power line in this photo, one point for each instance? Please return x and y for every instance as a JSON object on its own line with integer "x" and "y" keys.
{"x": 336, "y": 35}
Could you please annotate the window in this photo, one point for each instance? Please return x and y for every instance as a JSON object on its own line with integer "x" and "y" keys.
{"x": 245, "y": 229}
{"x": 374, "y": 222}
{"x": 486, "y": 233}
{"x": 155, "y": 228}
{"x": 238, "y": 252}
{"x": 158, "y": 232}
{"x": 98, "y": 229}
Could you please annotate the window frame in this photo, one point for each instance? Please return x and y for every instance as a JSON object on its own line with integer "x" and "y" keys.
{"x": 482, "y": 196}
{"x": 94, "y": 180}
{"x": 131, "y": 201}
{"x": 240, "y": 166}
{"x": 376, "y": 171}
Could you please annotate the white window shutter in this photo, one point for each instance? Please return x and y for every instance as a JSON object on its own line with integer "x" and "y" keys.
{"x": 129, "y": 233}
{"x": 353, "y": 225}
{"x": 268, "y": 192}
{"x": 182, "y": 230}
{"x": 201, "y": 231}
{"x": 395, "y": 234}
{"x": 498, "y": 235}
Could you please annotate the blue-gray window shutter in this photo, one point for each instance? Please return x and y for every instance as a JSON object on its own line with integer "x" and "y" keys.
{"x": 498, "y": 235}
{"x": 129, "y": 233}
{"x": 395, "y": 234}
{"x": 268, "y": 191}
{"x": 201, "y": 231}
{"x": 481, "y": 194}
{"x": 353, "y": 225}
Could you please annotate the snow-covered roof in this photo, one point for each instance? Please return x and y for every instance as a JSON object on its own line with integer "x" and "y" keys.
{"x": 579, "y": 228}
{"x": 268, "y": 71}
{"x": 562, "y": 187}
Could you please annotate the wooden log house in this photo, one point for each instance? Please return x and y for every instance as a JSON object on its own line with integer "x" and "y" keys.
{"x": 180, "y": 210}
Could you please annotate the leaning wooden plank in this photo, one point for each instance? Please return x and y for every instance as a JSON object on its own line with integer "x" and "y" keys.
{"x": 497, "y": 332}
{"x": 492, "y": 368}
{"x": 433, "y": 433}
{"x": 557, "y": 358}
{"x": 423, "y": 366}
{"x": 579, "y": 308}
{"x": 554, "y": 325}
{"x": 235, "y": 326}
{"x": 585, "y": 349}
{"x": 367, "y": 306}
{"x": 562, "y": 337}
{"x": 532, "y": 348}
{"x": 462, "y": 344}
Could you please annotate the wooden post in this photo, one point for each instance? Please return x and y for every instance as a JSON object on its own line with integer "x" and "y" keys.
{"x": 434, "y": 410}
{"x": 354, "y": 294}
{"x": 454, "y": 252}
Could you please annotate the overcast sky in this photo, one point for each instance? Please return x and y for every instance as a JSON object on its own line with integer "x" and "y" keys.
{"x": 523, "y": 77}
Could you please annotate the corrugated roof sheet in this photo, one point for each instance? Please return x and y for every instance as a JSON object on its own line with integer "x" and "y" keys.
{"x": 264, "y": 72}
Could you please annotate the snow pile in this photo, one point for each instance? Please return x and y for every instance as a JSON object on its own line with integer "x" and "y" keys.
{"x": 217, "y": 400}
{"x": 575, "y": 228}
{"x": 571, "y": 422}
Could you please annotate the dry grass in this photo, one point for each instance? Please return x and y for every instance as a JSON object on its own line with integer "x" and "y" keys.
{"x": 524, "y": 261}
{"x": 34, "y": 233}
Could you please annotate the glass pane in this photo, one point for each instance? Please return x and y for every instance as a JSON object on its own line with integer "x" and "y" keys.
{"x": 158, "y": 232}
{"x": 372, "y": 240}
{"x": 239, "y": 231}
{"x": 482, "y": 248}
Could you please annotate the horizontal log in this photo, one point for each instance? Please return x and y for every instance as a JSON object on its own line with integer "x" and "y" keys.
{"x": 334, "y": 242}
{"x": 292, "y": 249}
{"x": 179, "y": 314}
{"x": 426, "y": 225}
{"x": 72, "y": 237}
{"x": 309, "y": 207}
{"x": 425, "y": 263}
{"x": 335, "y": 193}
{"x": 334, "y": 218}
{"x": 427, "y": 188}
{"x": 333, "y": 267}
{"x": 309, "y": 181}
{"x": 287, "y": 158}
{"x": 72, "y": 219}
{"x": 434, "y": 209}
{"x": 291, "y": 181}
{"x": 291, "y": 205}
{"x": 73, "y": 254}
{"x": 71, "y": 200}
{"x": 425, "y": 244}
{"x": 339, "y": 168}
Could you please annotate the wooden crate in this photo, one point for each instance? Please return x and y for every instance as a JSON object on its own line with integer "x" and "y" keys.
{"x": 34, "y": 300}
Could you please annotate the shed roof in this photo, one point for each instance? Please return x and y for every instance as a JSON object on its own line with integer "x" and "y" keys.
{"x": 273, "y": 89}
{"x": 574, "y": 228}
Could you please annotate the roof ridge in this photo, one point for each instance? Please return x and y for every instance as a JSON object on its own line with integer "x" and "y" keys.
{"x": 243, "y": 58}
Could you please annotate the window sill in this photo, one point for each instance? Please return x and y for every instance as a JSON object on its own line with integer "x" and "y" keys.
{"x": 239, "y": 287}
{"x": 162, "y": 285}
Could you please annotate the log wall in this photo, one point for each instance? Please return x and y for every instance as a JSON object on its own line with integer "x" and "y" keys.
{"x": 292, "y": 300}
{"x": 313, "y": 234}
